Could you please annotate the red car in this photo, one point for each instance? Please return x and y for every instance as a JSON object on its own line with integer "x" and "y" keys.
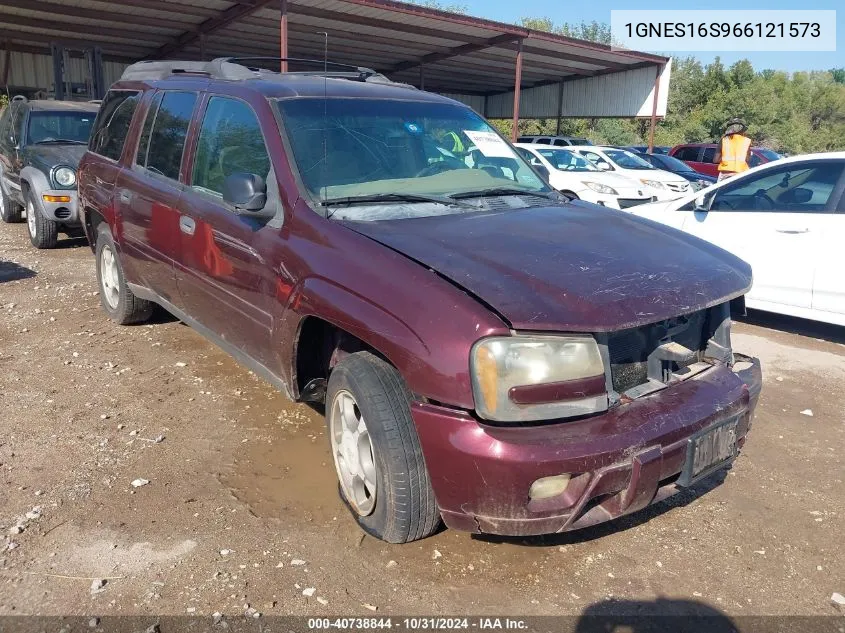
{"x": 488, "y": 353}
{"x": 700, "y": 156}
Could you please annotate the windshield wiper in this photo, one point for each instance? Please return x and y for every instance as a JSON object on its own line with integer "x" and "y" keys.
{"x": 61, "y": 140}
{"x": 502, "y": 191}
{"x": 394, "y": 197}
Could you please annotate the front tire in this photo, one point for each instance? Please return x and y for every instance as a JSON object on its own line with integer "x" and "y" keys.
{"x": 10, "y": 211}
{"x": 43, "y": 233}
{"x": 122, "y": 306}
{"x": 376, "y": 450}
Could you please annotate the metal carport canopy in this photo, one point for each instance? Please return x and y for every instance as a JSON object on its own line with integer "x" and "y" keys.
{"x": 477, "y": 60}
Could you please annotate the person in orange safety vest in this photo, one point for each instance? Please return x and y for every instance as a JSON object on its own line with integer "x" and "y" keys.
{"x": 734, "y": 150}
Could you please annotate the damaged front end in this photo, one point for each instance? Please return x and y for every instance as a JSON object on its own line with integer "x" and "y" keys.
{"x": 679, "y": 406}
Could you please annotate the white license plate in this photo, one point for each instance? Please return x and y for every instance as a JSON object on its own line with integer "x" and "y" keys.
{"x": 709, "y": 450}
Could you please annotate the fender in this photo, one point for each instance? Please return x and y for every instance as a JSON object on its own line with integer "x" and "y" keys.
{"x": 370, "y": 323}
{"x": 36, "y": 180}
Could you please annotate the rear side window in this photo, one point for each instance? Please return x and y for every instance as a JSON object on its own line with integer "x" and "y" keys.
{"x": 560, "y": 141}
{"x": 144, "y": 143}
{"x": 112, "y": 124}
{"x": 167, "y": 138}
{"x": 687, "y": 153}
{"x": 709, "y": 155}
{"x": 544, "y": 141}
{"x": 230, "y": 142}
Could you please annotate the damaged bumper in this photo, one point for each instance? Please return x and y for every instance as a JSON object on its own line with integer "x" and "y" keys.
{"x": 619, "y": 462}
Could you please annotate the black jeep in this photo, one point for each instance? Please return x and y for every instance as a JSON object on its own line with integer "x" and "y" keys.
{"x": 41, "y": 143}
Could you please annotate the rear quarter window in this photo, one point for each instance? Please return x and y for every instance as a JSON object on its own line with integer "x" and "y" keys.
{"x": 709, "y": 155}
{"x": 113, "y": 121}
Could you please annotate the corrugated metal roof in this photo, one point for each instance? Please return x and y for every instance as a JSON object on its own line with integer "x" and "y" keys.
{"x": 460, "y": 54}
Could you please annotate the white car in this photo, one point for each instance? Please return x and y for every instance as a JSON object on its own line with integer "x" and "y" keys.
{"x": 786, "y": 219}
{"x": 664, "y": 185}
{"x": 576, "y": 176}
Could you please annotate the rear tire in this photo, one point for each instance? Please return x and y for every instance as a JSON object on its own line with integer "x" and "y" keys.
{"x": 43, "y": 233}
{"x": 10, "y": 211}
{"x": 400, "y": 506}
{"x": 118, "y": 301}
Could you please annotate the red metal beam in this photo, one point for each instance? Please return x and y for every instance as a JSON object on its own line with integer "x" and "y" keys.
{"x": 62, "y": 28}
{"x": 455, "y": 52}
{"x": 516, "y": 90}
{"x": 224, "y": 18}
{"x": 59, "y": 9}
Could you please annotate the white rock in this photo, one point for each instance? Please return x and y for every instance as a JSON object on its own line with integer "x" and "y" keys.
{"x": 297, "y": 562}
{"x": 137, "y": 483}
{"x": 279, "y": 565}
{"x": 38, "y": 493}
{"x": 217, "y": 617}
{"x": 779, "y": 379}
{"x": 807, "y": 412}
{"x": 34, "y": 514}
{"x": 12, "y": 545}
{"x": 225, "y": 552}
{"x": 371, "y": 607}
{"x": 322, "y": 600}
{"x": 134, "y": 432}
{"x": 93, "y": 622}
{"x": 191, "y": 609}
{"x": 839, "y": 601}
{"x": 308, "y": 592}
{"x": 436, "y": 555}
{"x": 98, "y": 586}
{"x": 391, "y": 564}
{"x": 15, "y": 530}
{"x": 180, "y": 364}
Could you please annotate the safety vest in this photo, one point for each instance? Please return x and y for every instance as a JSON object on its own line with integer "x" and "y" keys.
{"x": 734, "y": 150}
{"x": 457, "y": 143}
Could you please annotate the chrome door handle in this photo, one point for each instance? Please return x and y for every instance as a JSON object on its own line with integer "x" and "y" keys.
{"x": 187, "y": 225}
{"x": 125, "y": 197}
{"x": 792, "y": 231}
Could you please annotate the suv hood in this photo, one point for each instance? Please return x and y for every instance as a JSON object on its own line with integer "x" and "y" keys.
{"x": 578, "y": 267}
{"x": 53, "y": 154}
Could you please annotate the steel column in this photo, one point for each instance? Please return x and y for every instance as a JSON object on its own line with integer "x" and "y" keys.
{"x": 283, "y": 34}
{"x": 516, "y": 92}
{"x": 653, "y": 123}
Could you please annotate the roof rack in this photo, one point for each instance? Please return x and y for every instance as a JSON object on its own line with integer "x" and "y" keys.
{"x": 241, "y": 68}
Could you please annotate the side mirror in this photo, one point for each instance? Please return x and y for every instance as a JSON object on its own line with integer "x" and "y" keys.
{"x": 701, "y": 205}
{"x": 245, "y": 192}
{"x": 543, "y": 171}
{"x": 799, "y": 195}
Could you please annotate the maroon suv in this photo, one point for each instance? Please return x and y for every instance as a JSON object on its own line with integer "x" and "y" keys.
{"x": 487, "y": 352}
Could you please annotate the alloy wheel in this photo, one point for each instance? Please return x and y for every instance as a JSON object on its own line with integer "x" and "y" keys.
{"x": 353, "y": 453}
{"x": 109, "y": 277}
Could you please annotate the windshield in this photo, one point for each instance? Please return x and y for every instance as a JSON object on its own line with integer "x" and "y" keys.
{"x": 627, "y": 160}
{"x": 73, "y": 127}
{"x": 769, "y": 154}
{"x": 564, "y": 160}
{"x": 669, "y": 163}
{"x": 348, "y": 148}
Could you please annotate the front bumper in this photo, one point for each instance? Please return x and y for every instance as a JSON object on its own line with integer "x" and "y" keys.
{"x": 64, "y": 212}
{"x": 620, "y": 461}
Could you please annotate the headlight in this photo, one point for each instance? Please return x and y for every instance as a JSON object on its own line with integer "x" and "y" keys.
{"x": 65, "y": 177}
{"x": 652, "y": 183}
{"x": 527, "y": 378}
{"x": 600, "y": 188}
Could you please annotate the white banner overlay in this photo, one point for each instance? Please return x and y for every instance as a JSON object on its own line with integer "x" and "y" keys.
{"x": 718, "y": 30}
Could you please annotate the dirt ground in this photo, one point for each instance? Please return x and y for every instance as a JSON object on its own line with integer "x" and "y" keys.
{"x": 241, "y": 507}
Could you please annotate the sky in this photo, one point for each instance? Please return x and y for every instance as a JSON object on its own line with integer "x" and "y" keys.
{"x": 599, "y": 10}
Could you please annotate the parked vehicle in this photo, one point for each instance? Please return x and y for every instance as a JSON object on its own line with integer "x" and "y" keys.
{"x": 553, "y": 140}
{"x": 663, "y": 185}
{"x": 700, "y": 156}
{"x": 488, "y": 352}
{"x": 41, "y": 143}
{"x": 643, "y": 149}
{"x": 680, "y": 168}
{"x": 577, "y": 178}
{"x": 787, "y": 220}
